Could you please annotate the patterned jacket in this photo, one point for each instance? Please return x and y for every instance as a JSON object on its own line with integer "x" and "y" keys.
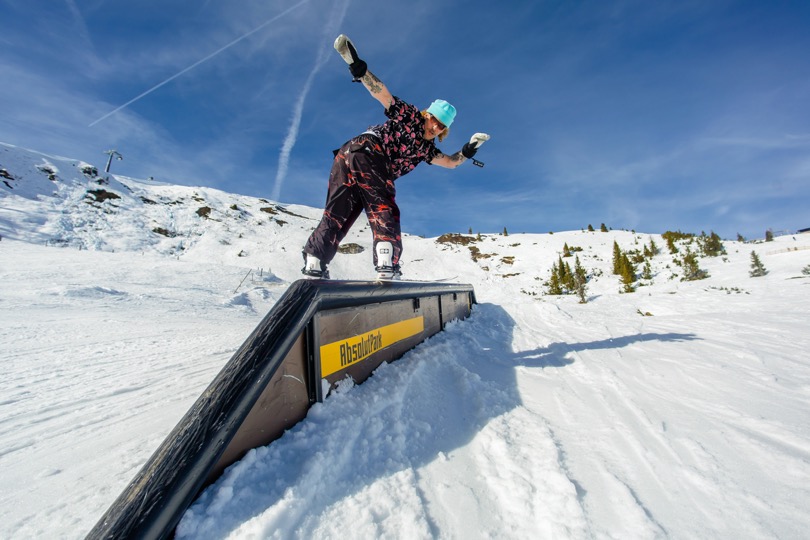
{"x": 402, "y": 138}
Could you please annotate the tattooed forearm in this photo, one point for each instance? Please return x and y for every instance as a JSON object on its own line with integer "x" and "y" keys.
{"x": 374, "y": 85}
{"x": 377, "y": 89}
{"x": 458, "y": 157}
{"x": 450, "y": 162}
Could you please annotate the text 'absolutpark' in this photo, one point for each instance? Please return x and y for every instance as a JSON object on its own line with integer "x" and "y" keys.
{"x": 341, "y": 354}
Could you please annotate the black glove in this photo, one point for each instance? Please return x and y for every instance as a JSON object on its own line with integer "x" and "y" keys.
{"x": 358, "y": 69}
{"x": 470, "y": 148}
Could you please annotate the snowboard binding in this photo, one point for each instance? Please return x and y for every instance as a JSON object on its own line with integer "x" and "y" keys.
{"x": 386, "y": 269}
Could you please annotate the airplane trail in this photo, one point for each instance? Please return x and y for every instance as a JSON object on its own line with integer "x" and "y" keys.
{"x": 195, "y": 64}
{"x": 334, "y": 22}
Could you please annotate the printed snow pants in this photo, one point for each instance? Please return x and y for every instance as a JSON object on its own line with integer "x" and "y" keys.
{"x": 359, "y": 181}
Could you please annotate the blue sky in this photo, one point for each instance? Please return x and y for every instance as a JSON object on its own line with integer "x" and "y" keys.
{"x": 652, "y": 116}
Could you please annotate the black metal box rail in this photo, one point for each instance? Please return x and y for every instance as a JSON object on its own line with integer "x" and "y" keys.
{"x": 316, "y": 334}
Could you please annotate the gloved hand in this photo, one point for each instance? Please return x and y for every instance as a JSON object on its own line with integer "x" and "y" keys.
{"x": 345, "y": 48}
{"x": 469, "y": 149}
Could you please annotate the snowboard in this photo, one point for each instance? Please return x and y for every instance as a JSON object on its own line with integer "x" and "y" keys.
{"x": 439, "y": 280}
{"x": 387, "y": 280}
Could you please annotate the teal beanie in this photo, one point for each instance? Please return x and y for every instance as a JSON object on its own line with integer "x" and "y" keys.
{"x": 442, "y": 111}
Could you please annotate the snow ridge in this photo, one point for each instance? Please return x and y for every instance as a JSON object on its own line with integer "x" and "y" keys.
{"x": 679, "y": 410}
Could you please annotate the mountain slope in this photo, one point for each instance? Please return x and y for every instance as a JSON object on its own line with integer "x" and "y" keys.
{"x": 678, "y": 410}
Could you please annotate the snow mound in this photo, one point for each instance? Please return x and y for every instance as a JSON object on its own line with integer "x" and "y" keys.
{"x": 678, "y": 410}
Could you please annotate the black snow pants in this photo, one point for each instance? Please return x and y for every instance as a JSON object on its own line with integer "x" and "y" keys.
{"x": 359, "y": 181}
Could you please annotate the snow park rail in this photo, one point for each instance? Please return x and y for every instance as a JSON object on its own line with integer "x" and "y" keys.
{"x": 318, "y": 333}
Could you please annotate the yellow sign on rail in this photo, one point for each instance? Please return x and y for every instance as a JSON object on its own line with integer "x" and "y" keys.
{"x": 342, "y": 354}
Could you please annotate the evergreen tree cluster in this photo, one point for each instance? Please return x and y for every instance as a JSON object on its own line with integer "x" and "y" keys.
{"x": 651, "y": 250}
{"x": 625, "y": 264}
{"x": 706, "y": 245}
{"x": 712, "y": 245}
{"x": 674, "y": 236}
{"x": 691, "y": 268}
{"x": 624, "y": 268}
{"x": 568, "y": 251}
{"x": 566, "y": 281}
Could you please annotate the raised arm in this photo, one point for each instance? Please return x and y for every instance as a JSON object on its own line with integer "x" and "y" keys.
{"x": 377, "y": 89}
{"x": 449, "y": 162}
{"x": 360, "y": 71}
{"x": 380, "y": 92}
{"x": 467, "y": 152}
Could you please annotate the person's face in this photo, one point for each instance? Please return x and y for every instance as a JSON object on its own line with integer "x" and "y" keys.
{"x": 433, "y": 128}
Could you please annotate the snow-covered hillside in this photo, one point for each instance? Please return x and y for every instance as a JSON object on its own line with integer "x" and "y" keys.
{"x": 679, "y": 410}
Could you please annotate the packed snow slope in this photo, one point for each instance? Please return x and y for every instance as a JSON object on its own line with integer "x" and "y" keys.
{"x": 679, "y": 410}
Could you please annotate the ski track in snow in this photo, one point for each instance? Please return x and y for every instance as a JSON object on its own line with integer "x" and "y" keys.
{"x": 538, "y": 417}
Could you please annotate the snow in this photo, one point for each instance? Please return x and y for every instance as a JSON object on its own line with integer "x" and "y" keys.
{"x": 679, "y": 410}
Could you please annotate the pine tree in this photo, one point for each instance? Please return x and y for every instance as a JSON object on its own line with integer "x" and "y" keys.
{"x": 579, "y": 271}
{"x": 562, "y": 275}
{"x": 566, "y": 250}
{"x": 627, "y": 273}
{"x": 554, "y": 286}
{"x": 590, "y": 228}
{"x": 757, "y": 268}
{"x": 647, "y": 272}
{"x": 603, "y": 228}
{"x": 570, "y": 282}
{"x": 617, "y": 258}
{"x": 581, "y": 279}
{"x": 673, "y": 249}
{"x": 691, "y": 268}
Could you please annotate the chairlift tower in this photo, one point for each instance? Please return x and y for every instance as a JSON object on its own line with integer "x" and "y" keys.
{"x": 112, "y": 153}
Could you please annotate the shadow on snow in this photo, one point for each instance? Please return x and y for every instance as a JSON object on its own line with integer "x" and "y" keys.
{"x": 435, "y": 399}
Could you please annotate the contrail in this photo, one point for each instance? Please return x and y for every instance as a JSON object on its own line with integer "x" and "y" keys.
{"x": 79, "y": 20}
{"x": 292, "y": 132}
{"x": 192, "y": 66}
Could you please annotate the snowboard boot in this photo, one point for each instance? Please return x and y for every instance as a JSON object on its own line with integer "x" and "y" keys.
{"x": 385, "y": 266}
{"x": 314, "y": 267}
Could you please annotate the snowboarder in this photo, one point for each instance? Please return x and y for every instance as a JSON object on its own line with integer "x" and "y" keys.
{"x": 365, "y": 168}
